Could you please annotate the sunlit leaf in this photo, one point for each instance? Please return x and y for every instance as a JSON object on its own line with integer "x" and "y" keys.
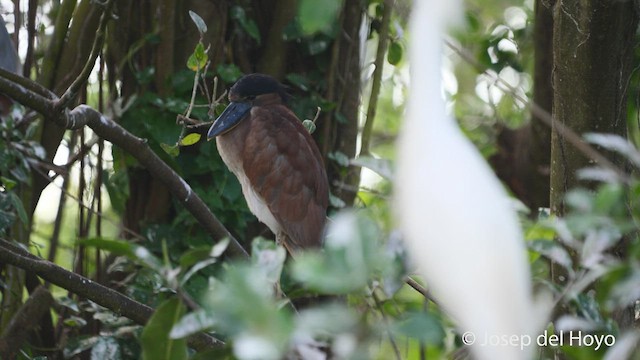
{"x": 190, "y": 139}
{"x": 198, "y": 59}
{"x": 155, "y": 340}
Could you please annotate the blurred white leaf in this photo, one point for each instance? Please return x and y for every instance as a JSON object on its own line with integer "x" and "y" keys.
{"x": 615, "y": 143}
{"x": 380, "y": 166}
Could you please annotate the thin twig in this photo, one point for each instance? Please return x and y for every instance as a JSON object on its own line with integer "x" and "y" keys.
{"x": 419, "y": 288}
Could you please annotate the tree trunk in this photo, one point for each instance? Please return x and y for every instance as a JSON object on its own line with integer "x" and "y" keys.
{"x": 593, "y": 43}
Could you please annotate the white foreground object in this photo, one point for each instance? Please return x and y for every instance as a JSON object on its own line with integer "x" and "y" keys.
{"x": 460, "y": 228}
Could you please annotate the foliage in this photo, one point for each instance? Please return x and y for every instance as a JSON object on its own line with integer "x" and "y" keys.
{"x": 352, "y": 297}
{"x": 17, "y": 153}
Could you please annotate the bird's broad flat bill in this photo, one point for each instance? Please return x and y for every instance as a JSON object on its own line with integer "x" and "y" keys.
{"x": 229, "y": 118}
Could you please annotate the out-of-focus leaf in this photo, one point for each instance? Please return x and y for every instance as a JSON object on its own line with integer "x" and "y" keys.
{"x": 192, "y": 323}
{"x": 195, "y": 255}
{"x": 106, "y": 348}
{"x": 171, "y": 150}
{"x": 7, "y": 183}
{"x": 197, "y": 267}
{"x": 268, "y": 256}
{"x": 626, "y": 291}
{"x": 220, "y": 247}
{"x": 155, "y": 340}
{"x": 316, "y": 17}
{"x": 200, "y": 24}
{"x": 248, "y": 25}
{"x": 615, "y": 143}
{"x": 395, "y": 53}
{"x": 124, "y": 248}
{"x": 339, "y": 157}
{"x": 329, "y": 319}
{"x": 553, "y": 251}
{"x": 229, "y": 73}
{"x": 422, "y": 326}
{"x": 117, "y": 185}
{"x": 75, "y": 321}
{"x": 18, "y": 207}
{"x": 76, "y": 345}
{"x": 381, "y": 167}
{"x": 352, "y": 247}
{"x": 336, "y": 202}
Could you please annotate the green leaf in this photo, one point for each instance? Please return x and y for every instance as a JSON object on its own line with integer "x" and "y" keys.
{"x": 200, "y": 24}
{"x": 8, "y": 183}
{"x": 552, "y": 250}
{"x": 17, "y": 205}
{"x": 155, "y": 340}
{"x": 106, "y": 348}
{"x": 309, "y": 125}
{"x": 192, "y": 323}
{"x": 198, "y": 60}
{"x": 318, "y": 16}
{"x": 190, "y": 139}
{"x": 124, "y": 248}
{"x": 422, "y": 326}
{"x": 395, "y": 52}
{"x": 339, "y": 157}
{"x": 172, "y": 150}
{"x": 195, "y": 255}
{"x": 248, "y": 25}
{"x": 229, "y": 73}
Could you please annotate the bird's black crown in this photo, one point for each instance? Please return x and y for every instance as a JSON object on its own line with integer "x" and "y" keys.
{"x": 257, "y": 84}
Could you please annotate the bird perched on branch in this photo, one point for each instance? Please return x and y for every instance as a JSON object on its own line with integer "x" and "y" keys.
{"x": 276, "y": 161}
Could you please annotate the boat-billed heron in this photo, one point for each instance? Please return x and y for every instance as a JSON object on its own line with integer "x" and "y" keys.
{"x": 276, "y": 161}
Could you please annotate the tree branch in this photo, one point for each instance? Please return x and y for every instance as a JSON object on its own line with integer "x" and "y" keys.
{"x": 23, "y": 321}
{"x": 12, "y": 254}
{"x": 74, "y": 88}
{"x": 109, "y": 130}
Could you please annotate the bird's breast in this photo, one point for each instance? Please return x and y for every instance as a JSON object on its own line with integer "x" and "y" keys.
{"x": 230, "y": 147}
